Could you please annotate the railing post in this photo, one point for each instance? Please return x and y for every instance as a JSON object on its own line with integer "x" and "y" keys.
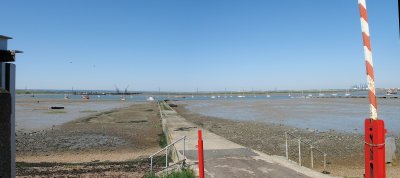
{"x": 312, "y": 157}
{"x": 325, "y": 162}
{"x": 151, "y": 164}
{"x": 287, "y": 152}
{"x": 300, "y": 151}
{"x": 184, "y": 147}
{"x": 166, "y": 157}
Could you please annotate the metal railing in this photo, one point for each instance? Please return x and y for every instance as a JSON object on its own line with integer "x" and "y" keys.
{"x": 312, "y": 149}
{"x": 167, "y": 149}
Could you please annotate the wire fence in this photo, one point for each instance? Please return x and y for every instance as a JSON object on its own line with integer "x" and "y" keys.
{"x": 304, "y": 153}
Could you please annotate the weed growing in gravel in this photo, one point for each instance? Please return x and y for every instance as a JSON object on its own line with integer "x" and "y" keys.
{"x": 184, "y": 173}
{"x": 163, "y": 140}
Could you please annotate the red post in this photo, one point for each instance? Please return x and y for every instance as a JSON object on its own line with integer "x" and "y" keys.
{"x": 200, "y": 154}
{"x": 375, "y": 166}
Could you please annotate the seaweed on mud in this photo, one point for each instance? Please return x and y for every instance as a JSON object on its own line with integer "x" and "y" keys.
{"x": 184, "y": 128}
{"x": 54, "y": 168}
{"x": 138, "y": 121}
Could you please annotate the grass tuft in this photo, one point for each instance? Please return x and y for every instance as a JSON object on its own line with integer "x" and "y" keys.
{"x": 184, "y": 173}
{"x": 163, "y": 140}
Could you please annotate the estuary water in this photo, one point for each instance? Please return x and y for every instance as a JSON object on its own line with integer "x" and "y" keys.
{"x": 322, "y": 114}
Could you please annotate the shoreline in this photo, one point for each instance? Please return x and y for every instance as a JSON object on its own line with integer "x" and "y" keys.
{"x": 345, "y": 150}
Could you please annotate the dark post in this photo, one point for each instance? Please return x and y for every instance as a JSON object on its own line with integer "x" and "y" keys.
{"x": 7, "y": 109}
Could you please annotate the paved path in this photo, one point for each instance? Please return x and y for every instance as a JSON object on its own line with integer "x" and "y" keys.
{"x": 224, "y": 158}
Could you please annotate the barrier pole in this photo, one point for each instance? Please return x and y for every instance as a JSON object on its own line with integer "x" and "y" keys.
{"x": 200, "y": 154}
{"x": 374, "y": 129}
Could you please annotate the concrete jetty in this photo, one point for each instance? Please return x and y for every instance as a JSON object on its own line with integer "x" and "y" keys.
{"x": 223, "y": 158}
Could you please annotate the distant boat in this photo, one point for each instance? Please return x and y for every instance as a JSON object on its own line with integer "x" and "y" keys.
{"x": 321, "y": 94}
{"x": 150, "y": 98}
{"x": 85, "y": 97}
{"x": 242, "y": 96}
{"x": 66, "y": 96}
{"x": 347, "y": 93}
{"x": 267, "y": 94}
{"x": 391, "y": 91}
{"x": 122, "y": 98}
{"x": 334, "y": 94}
{"x": 212, "y": 97}
{"x": 310, "y": 95}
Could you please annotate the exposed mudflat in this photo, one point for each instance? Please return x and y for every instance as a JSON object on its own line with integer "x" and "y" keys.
{"x": 115, "y": 142}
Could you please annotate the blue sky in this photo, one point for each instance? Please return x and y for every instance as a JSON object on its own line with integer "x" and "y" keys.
{"x": 181, "y": 45}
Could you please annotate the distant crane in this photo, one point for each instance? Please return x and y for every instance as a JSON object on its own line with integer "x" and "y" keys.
{"x": 116, "y": 89}
{"x": 126, "y": 89}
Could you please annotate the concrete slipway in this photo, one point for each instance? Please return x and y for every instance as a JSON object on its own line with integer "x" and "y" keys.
{"x": 223, "y": 158}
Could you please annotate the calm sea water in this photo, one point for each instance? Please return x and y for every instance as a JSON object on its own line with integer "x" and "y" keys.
{"x": 322, "y": 114}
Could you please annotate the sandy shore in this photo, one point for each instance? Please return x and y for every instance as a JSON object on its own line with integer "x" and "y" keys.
{"x": 115, "y": 142}
{"x": 345, "y": 150}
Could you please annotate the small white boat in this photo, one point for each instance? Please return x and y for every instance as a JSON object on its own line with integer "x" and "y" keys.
{"x": 334, "y": 94}
{"x": 309, "y": 95}
{"x": 66, "y": 96}
{"x": 347, "y": 93}
{"x": 268, "y": 96}
{"x": 391, "y": 91}
{"x": 85, "y": 97}
{"x": 150, "y": 98}
{"x": 212, "y": 97}
{"x": 122, "y": 98}
{"x": 241, "y": 96}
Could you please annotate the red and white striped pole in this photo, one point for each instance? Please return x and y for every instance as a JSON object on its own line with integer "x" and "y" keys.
{"x": 368, "y": 59}
{"x": 374, "y": 128}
